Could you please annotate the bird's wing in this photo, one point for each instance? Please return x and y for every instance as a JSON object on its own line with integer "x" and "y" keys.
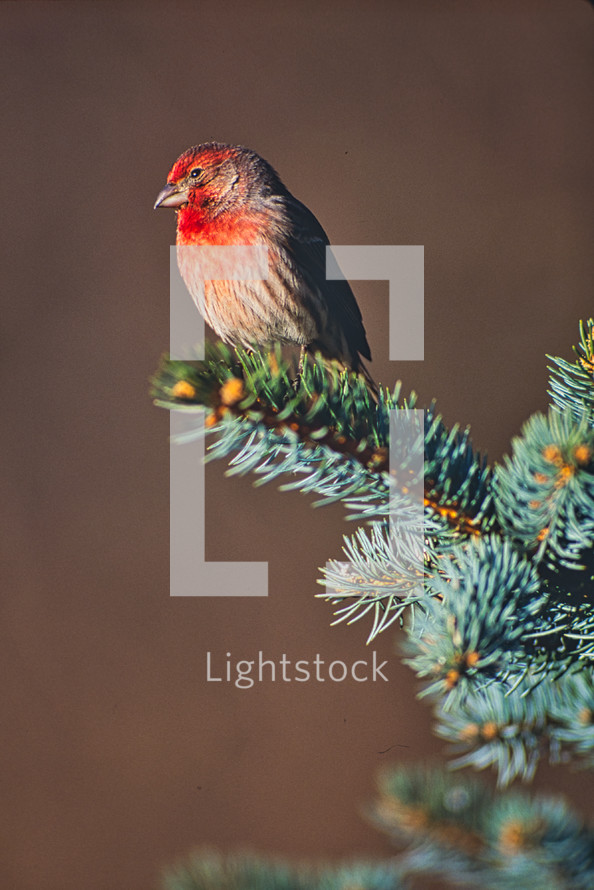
{"x": 306, "y": 244}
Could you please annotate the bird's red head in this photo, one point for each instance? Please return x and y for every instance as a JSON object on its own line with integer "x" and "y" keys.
{"x": 212, "y": 178}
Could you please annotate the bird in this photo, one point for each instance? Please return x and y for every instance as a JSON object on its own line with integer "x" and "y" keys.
{"x": 229, "y": 195}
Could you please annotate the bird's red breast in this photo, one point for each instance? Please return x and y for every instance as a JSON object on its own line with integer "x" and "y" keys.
{"x": 229, "y": 228}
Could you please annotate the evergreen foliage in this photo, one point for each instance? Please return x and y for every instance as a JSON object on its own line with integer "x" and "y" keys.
{"x": 503, "y": 631}
{"x": 459, "y": 830}
{"x": 209, "y": 871}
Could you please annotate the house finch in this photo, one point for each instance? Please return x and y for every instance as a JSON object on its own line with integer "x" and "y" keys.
{"x": 227, "y": 194}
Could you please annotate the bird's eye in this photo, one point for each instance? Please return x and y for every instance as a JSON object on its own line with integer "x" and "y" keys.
{"x": 195, "y": 173}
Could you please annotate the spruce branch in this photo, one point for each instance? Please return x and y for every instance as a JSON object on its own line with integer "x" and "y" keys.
{"x": 381, "y": 577}
{"x": 503, "y": 606}
{"x": 502, "y": 592}
{"x": 444, "y": 825}
{"x": 544, "y": 493}
{"x": 208, "y": 870}
{"x": 326, "y": 428}
{"x": 458, "y": 829}
{"x": 480, "y": 606}
{"x": 490, "y": 727}
{"x": 572, "y": 383}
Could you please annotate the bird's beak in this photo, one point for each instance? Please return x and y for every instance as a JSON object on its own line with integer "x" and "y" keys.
{"x": 171, "y": 196}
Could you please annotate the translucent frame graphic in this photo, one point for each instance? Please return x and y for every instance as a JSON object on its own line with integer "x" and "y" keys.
{"x": 189, "y": 573}
{"x": 401, "y": 266}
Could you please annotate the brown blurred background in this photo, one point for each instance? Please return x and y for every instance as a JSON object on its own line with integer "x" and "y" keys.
{"x": 466, "y": 127}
